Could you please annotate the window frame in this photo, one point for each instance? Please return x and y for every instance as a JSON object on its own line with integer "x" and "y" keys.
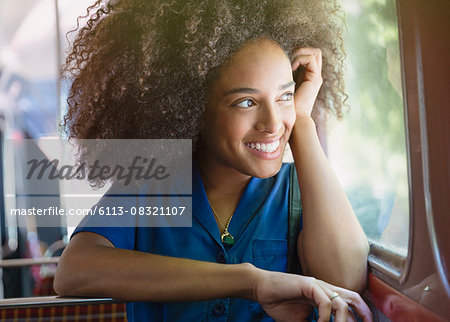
{"x": 424, "y": 64}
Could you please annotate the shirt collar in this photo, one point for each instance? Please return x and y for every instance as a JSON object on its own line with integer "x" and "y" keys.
{"x": 252, "y": 199}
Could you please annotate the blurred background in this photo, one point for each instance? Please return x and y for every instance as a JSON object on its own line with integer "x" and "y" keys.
{"x": 367, "y": 148}
{"x": 32, "y": 45}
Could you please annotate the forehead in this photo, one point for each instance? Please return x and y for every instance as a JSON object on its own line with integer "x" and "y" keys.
{"x": 259, "y": 63}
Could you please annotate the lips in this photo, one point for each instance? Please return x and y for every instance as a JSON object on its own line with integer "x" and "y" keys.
{"x": 264, "y": 147}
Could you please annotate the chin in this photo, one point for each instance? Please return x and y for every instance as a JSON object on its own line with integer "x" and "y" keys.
{"x": 264, "y": 172}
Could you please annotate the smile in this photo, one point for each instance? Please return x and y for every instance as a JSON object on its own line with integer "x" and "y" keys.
{"x": 264, "y": 147}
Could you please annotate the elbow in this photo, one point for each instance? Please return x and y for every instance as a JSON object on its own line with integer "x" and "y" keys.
{"x": 355, "y": 278}
{"x": 63, "y": 283}
{"x": 358, "y": 283}
{"x": 363, "y": 252}
{"x": 344, "y": 266}
{"x": 60, "y": 285}
{"x": 81, "y": 268}
{"x": 70, "y": 276}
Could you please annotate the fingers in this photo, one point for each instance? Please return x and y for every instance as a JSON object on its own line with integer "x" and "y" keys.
{"x": 361, "y": 308}
{"x": 328, "y": 301}
{"x": 323, "y": 305}
{"x": 351, "y": 316}
{"x": 353, "y": 300}
{"x": 311, "y": 58}
{"x": 340, "y": 308}
{"x": 321, "y": 299}
{"x": 308, "y": 79}
{"x": 294, "y": 293}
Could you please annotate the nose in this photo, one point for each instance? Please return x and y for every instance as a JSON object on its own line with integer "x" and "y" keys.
{"x": 269, "y": 119}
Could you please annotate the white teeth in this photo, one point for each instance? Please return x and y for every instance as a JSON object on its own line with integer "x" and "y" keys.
{"x": 268, "y": 148}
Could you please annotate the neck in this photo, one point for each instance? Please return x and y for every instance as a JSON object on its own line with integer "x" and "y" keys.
{"x": 217, "y": 176}
{"x": 224, "y": 186}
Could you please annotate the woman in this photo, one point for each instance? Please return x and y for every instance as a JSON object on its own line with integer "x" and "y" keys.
{"x": 220, "y": 73}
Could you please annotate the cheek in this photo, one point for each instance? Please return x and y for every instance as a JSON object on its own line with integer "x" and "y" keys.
{"x": 234, "y": 124}
{"x": 289, "y": 117}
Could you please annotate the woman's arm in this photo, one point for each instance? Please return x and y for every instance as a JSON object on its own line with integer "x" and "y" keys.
{"x": 332, "y": 245}
{"x": 91, "y": 266}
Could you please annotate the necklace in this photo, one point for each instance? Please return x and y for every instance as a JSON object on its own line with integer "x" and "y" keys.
{"x": 225, "y": 237}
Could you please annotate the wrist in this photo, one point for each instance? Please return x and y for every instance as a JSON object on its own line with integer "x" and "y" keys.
{"x": 250, "y": 277}
{"x": 303, "y": 128}
{"x": 304, "y": 120}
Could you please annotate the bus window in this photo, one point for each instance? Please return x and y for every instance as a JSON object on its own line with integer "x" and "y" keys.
{"x": 368, "y": 147}
{"x": 30, "y": 97}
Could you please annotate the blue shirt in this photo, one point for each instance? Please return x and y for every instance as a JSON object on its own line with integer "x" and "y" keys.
{"x": 259, "y": 226}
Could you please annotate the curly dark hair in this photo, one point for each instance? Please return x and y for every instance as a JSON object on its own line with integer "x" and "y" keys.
{"x": 142, "y": 69}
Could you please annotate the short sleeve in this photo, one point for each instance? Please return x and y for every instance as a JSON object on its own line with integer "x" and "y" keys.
{"x": 120, "y": 237}
{"x": 114, "y": 228}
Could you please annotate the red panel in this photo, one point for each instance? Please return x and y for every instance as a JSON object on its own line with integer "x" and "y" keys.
{"x": 397, "y": 306}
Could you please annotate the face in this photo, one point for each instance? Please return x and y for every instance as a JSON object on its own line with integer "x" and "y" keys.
{"x": 250, "y": 111}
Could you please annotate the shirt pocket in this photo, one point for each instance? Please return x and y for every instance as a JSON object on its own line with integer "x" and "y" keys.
{"x": 270, "y": 254}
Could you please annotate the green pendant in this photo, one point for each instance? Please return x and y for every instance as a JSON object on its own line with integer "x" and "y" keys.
{"x": 227, "y": 239}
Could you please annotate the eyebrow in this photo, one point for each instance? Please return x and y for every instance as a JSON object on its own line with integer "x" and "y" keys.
{"x": 252, "y": 90}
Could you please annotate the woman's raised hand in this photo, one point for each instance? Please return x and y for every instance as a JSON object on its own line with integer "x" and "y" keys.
{"x": 289, "y": 297}
{"x": 308, "y": 64}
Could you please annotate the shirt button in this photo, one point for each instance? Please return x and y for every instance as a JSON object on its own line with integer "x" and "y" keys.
{"x": 218, "y": 309}
{"x": 221, "y": 258}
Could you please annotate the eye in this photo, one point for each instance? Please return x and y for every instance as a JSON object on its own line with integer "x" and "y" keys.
{"x": 246, "y": 103}
{"x": 286, "y": 97}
